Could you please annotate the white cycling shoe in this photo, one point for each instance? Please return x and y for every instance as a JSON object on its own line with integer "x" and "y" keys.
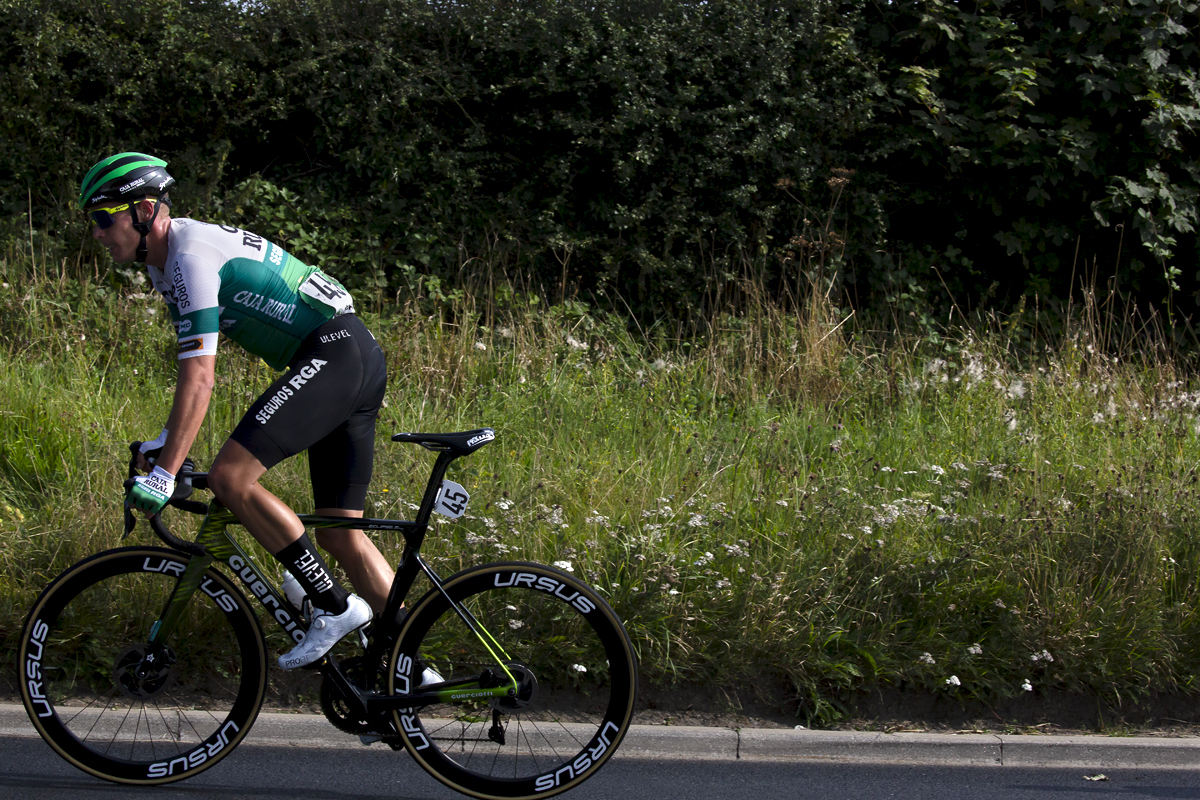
{"x": 326, "y": 630}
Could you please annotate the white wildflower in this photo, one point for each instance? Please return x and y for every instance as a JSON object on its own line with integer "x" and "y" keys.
{"x": 953, "y": 681}
{"x": 1027, "y": 686}
{"x": 975, "y": 649}
{"x": 565, "y": 566}
{"x": 926, "y": 658}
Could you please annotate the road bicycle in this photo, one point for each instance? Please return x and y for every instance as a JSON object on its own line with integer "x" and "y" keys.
{"x": 147, "y": 665}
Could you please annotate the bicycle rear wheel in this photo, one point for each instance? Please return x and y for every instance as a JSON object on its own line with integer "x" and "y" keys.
{"x": 123, "y": 709}
{"x": 575, "y": 668}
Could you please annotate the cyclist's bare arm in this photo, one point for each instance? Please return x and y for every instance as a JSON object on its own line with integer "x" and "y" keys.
{"x": 193, "y": 391}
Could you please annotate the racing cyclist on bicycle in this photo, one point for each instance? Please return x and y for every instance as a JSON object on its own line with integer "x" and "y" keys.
{"x": 219, "y": 279}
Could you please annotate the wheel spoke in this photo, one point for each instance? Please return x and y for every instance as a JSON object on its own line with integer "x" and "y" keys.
{"x": 568, "y": 707}
{"x": 129, "y": 710}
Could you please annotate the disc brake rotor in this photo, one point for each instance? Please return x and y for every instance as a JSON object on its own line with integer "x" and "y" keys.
{"x": 142, "y": 671}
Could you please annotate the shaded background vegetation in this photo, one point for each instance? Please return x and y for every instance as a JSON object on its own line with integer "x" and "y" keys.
{"x": 650, "y": 155}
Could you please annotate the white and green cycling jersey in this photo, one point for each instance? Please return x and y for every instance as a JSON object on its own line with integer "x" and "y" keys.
{"x": 219, "y": 279}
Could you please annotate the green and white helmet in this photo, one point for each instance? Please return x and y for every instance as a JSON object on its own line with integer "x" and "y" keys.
{"x": 123, "y": 177}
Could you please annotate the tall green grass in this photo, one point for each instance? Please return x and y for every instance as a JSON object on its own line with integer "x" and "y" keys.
{"x": 783, "y": 504}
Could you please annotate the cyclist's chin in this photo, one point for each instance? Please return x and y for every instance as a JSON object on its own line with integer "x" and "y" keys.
{"x": 122, "y": 255}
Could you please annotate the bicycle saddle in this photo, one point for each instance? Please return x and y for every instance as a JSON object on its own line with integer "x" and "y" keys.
{"x": 460, "y": 444}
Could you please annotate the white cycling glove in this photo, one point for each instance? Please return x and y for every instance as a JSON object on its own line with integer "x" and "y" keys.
{"x": 151, "y": 492}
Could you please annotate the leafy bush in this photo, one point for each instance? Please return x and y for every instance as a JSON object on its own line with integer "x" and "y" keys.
{"x": 899, "y": 156}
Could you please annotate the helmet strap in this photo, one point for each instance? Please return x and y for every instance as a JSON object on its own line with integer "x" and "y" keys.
{"x": 143, "y": 228}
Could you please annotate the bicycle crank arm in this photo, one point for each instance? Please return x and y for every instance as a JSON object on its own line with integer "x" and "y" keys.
{"x": 354, "y": 696}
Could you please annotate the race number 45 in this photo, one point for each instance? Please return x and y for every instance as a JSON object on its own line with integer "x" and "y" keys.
{"x": 327, "y": 292}
{"x": 451, "y": 500}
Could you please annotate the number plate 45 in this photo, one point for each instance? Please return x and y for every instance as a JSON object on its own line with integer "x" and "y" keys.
{"x": 451, "y": 500}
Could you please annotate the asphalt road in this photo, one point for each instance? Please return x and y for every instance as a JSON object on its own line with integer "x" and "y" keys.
{"x": 301, "y": 757}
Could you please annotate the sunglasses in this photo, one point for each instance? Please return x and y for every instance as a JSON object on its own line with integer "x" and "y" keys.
{"x": 103, "y": 217}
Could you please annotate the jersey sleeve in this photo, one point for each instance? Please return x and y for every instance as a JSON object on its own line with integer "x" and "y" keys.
{"x": 196, "y": 284}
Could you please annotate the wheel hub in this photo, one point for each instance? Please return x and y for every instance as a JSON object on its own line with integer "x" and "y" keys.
{"x": 143, "y": 670}
{"x": 525, "y": 694}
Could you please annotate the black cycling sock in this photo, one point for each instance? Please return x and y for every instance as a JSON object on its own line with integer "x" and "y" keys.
{"x": 307, "y": 566}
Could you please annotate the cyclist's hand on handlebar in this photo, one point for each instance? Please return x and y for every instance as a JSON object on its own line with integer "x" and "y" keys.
{"x": 149, "y": 493}
{"x": 148, "y": 451}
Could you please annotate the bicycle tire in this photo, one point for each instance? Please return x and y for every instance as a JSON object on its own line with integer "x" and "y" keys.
{"x": 578, "y": 675}
{"x": 95, "y": 693}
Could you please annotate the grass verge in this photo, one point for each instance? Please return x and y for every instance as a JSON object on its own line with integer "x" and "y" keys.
{"x": 781, "y": 505}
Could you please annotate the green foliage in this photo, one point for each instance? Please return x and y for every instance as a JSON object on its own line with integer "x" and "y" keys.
{"x": 595, "y": 146}
{"x": 1051, "y": 129}
{"x": 906, "y": 157}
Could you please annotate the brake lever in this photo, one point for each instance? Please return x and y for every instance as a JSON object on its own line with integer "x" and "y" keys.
{"x": 130, "y": 519}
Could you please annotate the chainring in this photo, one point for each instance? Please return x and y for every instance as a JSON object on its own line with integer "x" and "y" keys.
{"x": 339, "y": 711}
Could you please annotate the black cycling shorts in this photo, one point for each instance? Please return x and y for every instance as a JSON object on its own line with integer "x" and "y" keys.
{"x": 326, "y": 403}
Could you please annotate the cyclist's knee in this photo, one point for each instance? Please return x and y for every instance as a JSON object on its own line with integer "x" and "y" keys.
{"x": 219, "y": 482}
{"x": 234, "y": 473}
{"x": 226, "y": 485}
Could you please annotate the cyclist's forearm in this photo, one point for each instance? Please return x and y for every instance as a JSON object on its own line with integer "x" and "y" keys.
{"x": 192, "y": 394}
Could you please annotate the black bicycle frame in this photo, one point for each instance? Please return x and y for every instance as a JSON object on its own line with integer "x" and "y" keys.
{"x": 213, "y": 543}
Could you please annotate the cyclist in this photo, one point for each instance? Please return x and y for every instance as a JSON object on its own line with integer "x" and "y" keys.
{"x": 219, "y": 279}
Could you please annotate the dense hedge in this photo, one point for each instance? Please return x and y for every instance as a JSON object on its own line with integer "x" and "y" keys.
{"x": 657, "y": 151}
{"x": 1036, "y": 142}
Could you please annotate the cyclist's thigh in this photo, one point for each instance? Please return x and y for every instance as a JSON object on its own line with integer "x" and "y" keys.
{"x": 340, "y": 465}
{"x": 319, "y": 392}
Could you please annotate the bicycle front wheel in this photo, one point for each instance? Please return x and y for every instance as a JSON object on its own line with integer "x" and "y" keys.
{"x": 574, "y": 667}
{"x": 120, "y": 707}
